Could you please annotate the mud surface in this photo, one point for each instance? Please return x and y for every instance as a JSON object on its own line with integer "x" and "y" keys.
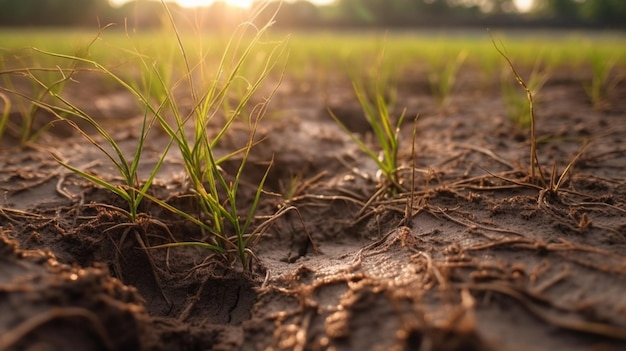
{"x": 471, "y": 254}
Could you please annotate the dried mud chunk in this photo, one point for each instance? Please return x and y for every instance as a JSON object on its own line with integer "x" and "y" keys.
{"x": 51, "y": 306}
{"x": 337, "y": 324}
{"x": 7, "y": 246}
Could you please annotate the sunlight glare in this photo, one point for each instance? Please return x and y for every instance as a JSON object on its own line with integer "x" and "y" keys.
{"x": 524, "y": 5}
{"x": 196, "y": 3}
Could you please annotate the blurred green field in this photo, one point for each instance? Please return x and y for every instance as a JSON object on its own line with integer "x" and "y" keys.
{"x": 334, "y": 51}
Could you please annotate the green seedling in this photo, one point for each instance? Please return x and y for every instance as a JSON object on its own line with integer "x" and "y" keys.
{"x": 386, "y": 132}
{"x": 375, "y": 96}
{"x": 227, "y": 228}
{"x": 226, "y": 225}
{"x": 131, "y": 191}
{"x": 602, "y": 83}
{"x": 6, "y": 111}
{"x": 47, "y": 83}
{"x": 442, "y": 79}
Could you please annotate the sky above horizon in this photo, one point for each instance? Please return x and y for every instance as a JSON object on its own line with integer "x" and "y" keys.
{"x": 523, "y": 5}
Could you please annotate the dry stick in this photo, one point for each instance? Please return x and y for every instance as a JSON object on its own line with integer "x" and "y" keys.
{"x": 10, "y": 338}
{"x": 569, "y": 166}
{"x": 271, "y": 219}
{"x": 599, "y": 204}
{"x": 327, "y": 198}
{"x": 307, "y": 183}
{"x": 4, "y": 212}
{"x": 502, "y": 242}
{"x": 474, "y": 225}
{"x": 534, "y": 162}
{"x": 374, "y": 197}
{"x": 561, "y": 322}
{"x": 550, "y": 282}
{"x": 30, "y": 185}
{"x": 487, "y": 152}
{"x": 516, "y": 182}
{"x": 558, "y": 248}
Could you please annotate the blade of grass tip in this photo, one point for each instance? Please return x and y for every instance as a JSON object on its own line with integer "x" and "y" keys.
{"x": 183, "y": 52}
{"x": 179, "y": 134}
{"x": 246, "y": 98}
{"x": 251, "y": 143}
{"x": 376, "y": 122}
{"x": 366, "y": 104}
{"x": 269, "y": 65}
{"x": 104, "y": 70}
{"x": 267, "y": 68}
{"x": 242, "y": 101}
{"x": 216, "y": 96}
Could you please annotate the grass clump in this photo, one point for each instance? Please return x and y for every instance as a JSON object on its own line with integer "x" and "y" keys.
{"x": 227, "y": 229}
{"x": 442, "y": 79}
{"x": 602, "y": 82}
{"x": 386, "y": 131}
{"x": 132, "y": 190}
{"x": 50, "y": 78}
{"x": 195, "y": 101}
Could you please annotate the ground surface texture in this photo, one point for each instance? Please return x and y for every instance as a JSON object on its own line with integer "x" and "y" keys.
{"x": 486, "y": 259}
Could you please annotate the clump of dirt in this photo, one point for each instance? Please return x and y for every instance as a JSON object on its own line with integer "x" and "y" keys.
{"x": 470, "y": 254}
{"x": 46, "y": 304}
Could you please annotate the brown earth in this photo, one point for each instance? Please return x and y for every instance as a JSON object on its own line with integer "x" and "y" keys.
{"x": 487, "y": 260}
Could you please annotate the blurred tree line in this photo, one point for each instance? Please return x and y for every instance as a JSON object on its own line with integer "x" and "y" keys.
{"x": 343, "y": 13}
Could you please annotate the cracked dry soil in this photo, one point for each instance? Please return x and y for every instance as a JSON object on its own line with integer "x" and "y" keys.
{"x": 486, "y": 260}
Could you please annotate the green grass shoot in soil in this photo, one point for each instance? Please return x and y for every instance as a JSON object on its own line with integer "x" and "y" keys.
{"x": 221, "y": 73}
{"x": 218, "y": 99}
